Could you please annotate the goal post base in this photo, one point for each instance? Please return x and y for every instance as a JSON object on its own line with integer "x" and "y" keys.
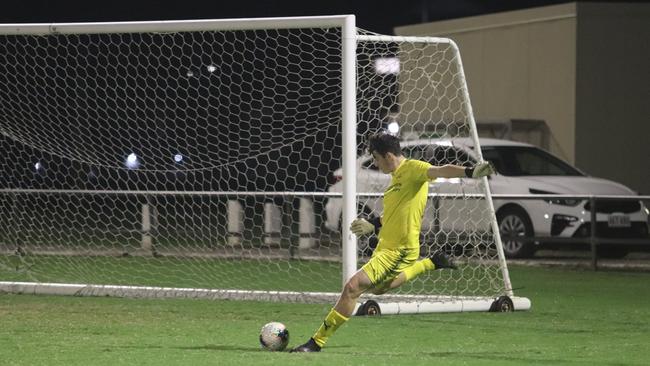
{"x": 390, "y": 305}
{"x": 459, "y": 305}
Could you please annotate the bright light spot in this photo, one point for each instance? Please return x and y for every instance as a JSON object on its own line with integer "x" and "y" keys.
{"x": 190, "y": 73}
{"x": 546, "y": 216}
{"x": 132, "y": 161}
{"x": 393, "y": 128}
{"x": 38, "y": 166}
{"x": 387, "y": 65}
{"x": 448, "y": 180}
{"x": 212, "y": 68}
{"x": 178, "y": 158}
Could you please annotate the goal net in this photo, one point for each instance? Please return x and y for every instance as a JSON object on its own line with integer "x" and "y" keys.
{"x": 201, "y": 159}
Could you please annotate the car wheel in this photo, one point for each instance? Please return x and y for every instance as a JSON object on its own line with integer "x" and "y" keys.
{"x": 514, "y": 222}
{"x": 370, "y": 308}
{"x": 502, "y": 305}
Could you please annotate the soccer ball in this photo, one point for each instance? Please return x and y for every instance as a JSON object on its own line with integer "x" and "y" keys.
{"x": 274, "y": 336}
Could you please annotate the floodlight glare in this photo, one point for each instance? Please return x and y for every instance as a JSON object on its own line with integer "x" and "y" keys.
{"x": 132, "y": 161}
{"x": 393, "y": 128}
{"x": 387, "y": 65}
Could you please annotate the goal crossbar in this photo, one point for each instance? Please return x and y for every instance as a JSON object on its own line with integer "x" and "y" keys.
{"x": 170, "y": 26}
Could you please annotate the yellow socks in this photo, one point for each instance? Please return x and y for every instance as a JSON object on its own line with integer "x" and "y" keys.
{"x": 334, "y": 319}
{"x": 332, "y": 322}
{"x": 418, "y": 268}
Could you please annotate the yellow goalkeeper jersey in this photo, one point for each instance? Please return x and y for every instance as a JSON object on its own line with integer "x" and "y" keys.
{"x": 404, "y": 202}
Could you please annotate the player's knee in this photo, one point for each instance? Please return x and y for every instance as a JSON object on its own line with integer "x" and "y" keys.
{"x": 352, "y": 288}
{"x": 379, "y": 291}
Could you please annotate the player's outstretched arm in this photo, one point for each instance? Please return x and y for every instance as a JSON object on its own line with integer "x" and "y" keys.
{"x": 479, "y": 170}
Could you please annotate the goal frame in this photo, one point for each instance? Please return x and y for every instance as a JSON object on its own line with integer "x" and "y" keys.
{"x": 350, "y": 37}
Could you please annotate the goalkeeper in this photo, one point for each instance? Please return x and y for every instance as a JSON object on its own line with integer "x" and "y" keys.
{"x": 395, "y": 260}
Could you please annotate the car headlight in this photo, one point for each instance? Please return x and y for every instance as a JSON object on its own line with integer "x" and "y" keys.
{"x": 556, "y": 201}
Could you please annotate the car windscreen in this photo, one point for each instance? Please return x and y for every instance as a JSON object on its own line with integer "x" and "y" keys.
{"x": 525, "y": 160}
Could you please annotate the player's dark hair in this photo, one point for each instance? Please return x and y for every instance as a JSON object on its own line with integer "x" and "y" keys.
{"x": 384, "y": 143}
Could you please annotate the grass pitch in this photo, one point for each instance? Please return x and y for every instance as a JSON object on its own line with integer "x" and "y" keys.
{"x": 578, "y": 318}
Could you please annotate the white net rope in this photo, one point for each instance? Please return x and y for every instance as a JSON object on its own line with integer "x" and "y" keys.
{"x": 420, "y": 87}
{"x": 204, "y": 159}
{"x": 126, "y": 117}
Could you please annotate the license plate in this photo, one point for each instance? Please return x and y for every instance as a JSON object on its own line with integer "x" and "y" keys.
{"x": 619, "y": 221}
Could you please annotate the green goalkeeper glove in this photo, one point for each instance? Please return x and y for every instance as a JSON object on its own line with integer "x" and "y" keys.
{"x": 479, "y": 170}
{"x": 362, "y": 227}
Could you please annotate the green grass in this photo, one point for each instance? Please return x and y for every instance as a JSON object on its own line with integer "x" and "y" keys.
{"x": 173, "y": 272}
{"x": 578, "y": 318}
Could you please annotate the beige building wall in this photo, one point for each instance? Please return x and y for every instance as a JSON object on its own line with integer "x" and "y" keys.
{"x": 518, "y": 64}
{"x": 583, "y": 67}
{"x": 613, "y": 92}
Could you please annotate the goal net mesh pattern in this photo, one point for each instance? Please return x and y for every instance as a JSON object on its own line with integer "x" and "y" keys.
{"x": 207, "y": 159}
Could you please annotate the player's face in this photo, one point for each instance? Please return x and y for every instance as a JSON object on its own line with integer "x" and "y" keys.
{"x": 381, "y": 162}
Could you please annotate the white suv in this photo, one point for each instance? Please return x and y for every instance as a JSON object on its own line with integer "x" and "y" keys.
{"x": 521, "y": 169}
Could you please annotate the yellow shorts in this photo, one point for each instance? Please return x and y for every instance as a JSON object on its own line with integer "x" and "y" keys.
{"x": 386, "y": 264}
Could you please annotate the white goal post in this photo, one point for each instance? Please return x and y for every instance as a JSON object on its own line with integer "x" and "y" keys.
{"x": 196, "y": 158}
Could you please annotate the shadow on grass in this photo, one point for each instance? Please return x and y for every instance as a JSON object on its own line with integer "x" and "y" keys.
{"x": 221, "y": 347}
{"x": 207, "y": 347}
{"x": 218, "y": 347}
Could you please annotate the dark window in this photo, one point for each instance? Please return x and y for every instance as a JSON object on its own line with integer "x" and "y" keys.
{"x": 419, "y": 152}
{"x": 451, "y": 155}
{"x": 524, "y": 160}
{"x": 492, "y": 155}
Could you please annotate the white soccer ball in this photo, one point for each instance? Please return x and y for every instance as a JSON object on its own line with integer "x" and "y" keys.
{"x": 274, "y": 336}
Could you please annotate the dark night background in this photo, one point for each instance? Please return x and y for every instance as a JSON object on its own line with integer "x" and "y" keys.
{"x": 219, "y": 162}
{"x": 378, "y": 16}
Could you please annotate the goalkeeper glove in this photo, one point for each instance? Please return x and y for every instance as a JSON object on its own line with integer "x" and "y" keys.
{"x": 479, "y": 170}
{"x": 362, "y": 227}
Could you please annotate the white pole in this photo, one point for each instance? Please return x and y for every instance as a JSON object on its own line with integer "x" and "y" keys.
{"x": 272, "y": 224}
{"x": 306, "y": 227}
{"x": 349, "y": 55}
{"x": 173, "y": 25}
{"x": 484, "y": 180}
{"x": 235, "y": 222}
{"x": 147, "y": 241}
